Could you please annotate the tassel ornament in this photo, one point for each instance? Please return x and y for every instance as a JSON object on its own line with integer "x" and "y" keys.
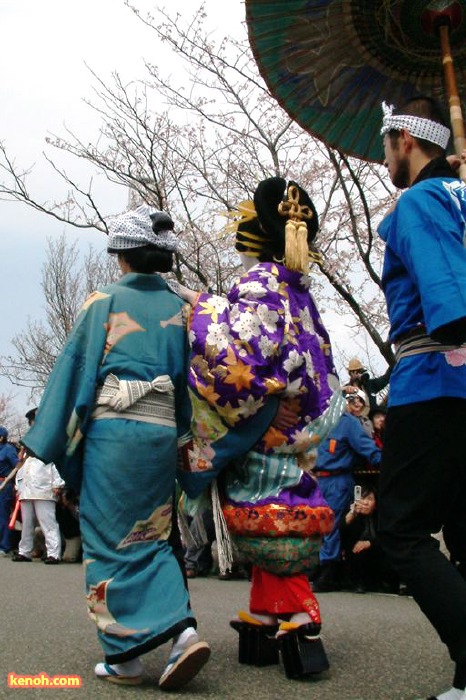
{"x": 225, "y": 545}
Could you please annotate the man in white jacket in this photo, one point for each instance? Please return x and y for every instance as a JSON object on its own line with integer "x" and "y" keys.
{"x": 38, "y": 486}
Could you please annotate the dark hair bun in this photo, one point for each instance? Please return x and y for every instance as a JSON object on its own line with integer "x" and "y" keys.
{"x": 267, "y": 197}
{"x": 161, "y": 222}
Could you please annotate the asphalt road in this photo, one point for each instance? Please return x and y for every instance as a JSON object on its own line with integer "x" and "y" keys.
{"x": 380, "y": 647}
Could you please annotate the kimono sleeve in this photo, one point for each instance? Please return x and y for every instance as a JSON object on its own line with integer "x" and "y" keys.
{"x": 233, "y": 383}
{"x": 68, "y": 399}
{"x": 182, "y": 400}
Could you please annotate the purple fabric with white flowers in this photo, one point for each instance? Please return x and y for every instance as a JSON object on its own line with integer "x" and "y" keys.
{"x": 264, "y": 338}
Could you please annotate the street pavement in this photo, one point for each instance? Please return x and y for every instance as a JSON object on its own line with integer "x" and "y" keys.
{"x": 380, "y": 647}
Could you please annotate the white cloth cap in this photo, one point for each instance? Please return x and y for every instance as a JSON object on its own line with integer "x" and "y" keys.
{"x": 417, "y": 126}
{"x": 135, "y": 229}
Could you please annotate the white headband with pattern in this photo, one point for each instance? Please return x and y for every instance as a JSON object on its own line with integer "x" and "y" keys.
{"x": 417, "y": 126}
{"x": 133, "y": 229}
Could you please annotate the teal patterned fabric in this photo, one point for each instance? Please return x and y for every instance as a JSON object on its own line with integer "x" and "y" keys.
{"x": 124, "y": 468}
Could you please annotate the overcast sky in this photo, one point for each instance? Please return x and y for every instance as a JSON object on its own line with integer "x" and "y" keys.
{"x": 44, "y": 50}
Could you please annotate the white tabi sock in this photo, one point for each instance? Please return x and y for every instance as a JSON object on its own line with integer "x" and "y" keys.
{"x": 301, "y": 618}
{"x": 452, "y": 694}
{"x": 128, "y": 669}
{"x": 185, "y": 639}
{"x": 265, "y": 619}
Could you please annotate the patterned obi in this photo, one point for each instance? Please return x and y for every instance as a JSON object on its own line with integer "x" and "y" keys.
{"x": 270, "y": 496}
{"x": 277, "y": 520}
{"x": 149, "y": 402}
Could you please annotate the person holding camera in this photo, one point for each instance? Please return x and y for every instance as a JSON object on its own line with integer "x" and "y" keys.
{"x": 337, "y": 457}
{"x": 364, "y": 564}
{"x": 359, "y": 378}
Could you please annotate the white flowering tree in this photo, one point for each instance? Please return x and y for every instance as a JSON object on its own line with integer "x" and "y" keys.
{"x": 67, "y": 279}
{"x": 217, "y": 134}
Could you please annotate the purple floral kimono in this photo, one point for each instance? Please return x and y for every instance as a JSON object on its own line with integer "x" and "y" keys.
{"x": 263, "y": 342}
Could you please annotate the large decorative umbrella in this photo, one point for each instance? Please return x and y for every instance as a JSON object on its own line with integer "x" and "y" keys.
{"x": 331, "y": 63}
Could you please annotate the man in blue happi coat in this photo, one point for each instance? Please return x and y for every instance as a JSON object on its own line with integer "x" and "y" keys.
{"x": 423, "y": 480}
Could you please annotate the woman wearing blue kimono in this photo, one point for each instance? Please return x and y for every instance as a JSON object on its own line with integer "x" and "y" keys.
{"x": 113, "y": 410}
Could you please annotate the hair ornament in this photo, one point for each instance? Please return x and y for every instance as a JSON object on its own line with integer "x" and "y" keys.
{"x": 244, "y": 212}
{"x": 296, "y": 245}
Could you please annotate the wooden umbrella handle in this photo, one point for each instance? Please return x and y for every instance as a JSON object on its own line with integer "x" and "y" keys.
{"x": 456, "y": 117}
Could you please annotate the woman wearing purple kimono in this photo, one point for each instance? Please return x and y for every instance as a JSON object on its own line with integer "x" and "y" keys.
{"x": 261, "y": 343}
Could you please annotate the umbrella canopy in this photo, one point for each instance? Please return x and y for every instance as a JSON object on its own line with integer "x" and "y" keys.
{"x": 331, "y": 63}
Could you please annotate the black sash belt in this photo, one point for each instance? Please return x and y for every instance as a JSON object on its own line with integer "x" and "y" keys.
{"x": 419, "y": 343}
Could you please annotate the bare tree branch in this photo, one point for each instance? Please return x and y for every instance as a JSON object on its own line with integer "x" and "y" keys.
{"x": 66, "y": 282}
{"x": 195, "y": 146}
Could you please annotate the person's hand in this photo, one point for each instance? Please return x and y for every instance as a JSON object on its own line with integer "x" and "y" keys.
{"x": 185, "y": 293}
{"x": 455, "y": 161}
{"x": 286, "y": 417}
{"x": 362, "y": 507}
{"x": 349, "y": 389}
{"x": 361, "y": 546}
{"x": 188, "y": 295}
{"x": 350, "y": 516}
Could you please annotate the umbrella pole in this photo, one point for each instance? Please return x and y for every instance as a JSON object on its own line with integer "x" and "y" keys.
{"x": 456, "y": 117}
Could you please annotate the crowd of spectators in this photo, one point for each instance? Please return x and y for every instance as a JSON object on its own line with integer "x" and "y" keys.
{"x": 347, "y": 468}
{"x": 39, "y": 515}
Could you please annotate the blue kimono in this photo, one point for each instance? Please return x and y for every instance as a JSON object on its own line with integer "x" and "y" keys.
{"x": 110, "y": 418}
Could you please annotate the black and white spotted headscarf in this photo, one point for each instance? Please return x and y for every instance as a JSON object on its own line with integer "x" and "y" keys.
{"x": 417, "y": 126}
{"x": 139, "y": 227}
